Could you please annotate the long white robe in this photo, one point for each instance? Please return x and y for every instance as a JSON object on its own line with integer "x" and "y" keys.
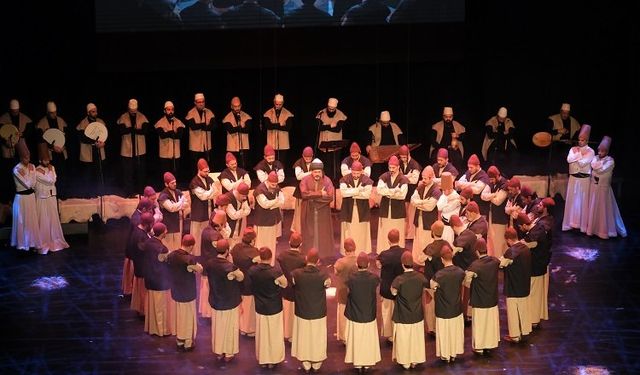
{"x": 51, "y": 235}
{"x": 576, "y": 208}
{"x": 24, "y": 229}
{"x": 604, "y": 218}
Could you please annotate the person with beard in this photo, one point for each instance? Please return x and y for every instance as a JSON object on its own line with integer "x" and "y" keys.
{"x": 51, "y": 235}
{"x": 536, "y": 238}
{"x": 392, "y": 187}
{"x": 476, "y": 222}
{"x": 385, "y": 132}
{"x": 544, "y": 216}
{"x": 448, "y": 134}
{"x": 268, "y": 215}
{"x": 390, "y": 264}
{"x": 425, "y": 200}
{"x": 238, "y": 125}
{"x": 355, "y": 155}
{"x": 448, "y": 205}
{"x": 411, "y": 170}
{"x": 237, "y": 212}
{"x": 278, "y": 121}
{"x": 25, "y": 234}
{"x": 244, "y": 255}
{"x": 477, "y": 179}
{"x": 343, "y": 267}
{"x": 267, "y": 283}
{"x": 466, "y": 196}
{"x": 91, "y": 150}
{"x": 317, "y": 193}
{"x": 59, "y": 154}
{"x": 362, "y": 342}
{"x": 183, "y": 267}
{"x": 232, "y": 176}
{"x": 169, "y": 130}
{"x": 224, "y": 297}
{"x": 499, "y": 145}
{"x": 217, "y": 230}
{"x": 7, "y": 147}
{"x": 447, "y": 284}
{"x": 604, "y": 216}
{"x": 269, "y": 164}
{"x": 201, "y": 123}
{"x": 202, "y": 191}
{"x": 200, "y": 15}
{"x": 135, "y": 250}
{"x": 530, "y": 200}
{"x": 432, "y": 264}
{"x": 307, "y": 14}
{"x": 515, "y": 203}
{"x": 160, "y": 318}
{"x": 366, "y": 13}
{"x": 564, "y": 129}
{"x": 482, "y": 281}
{"x": 144, "y": 206}
{"x": 288, "y": 261}
{"x": 150, "y": 193}
{"x": 172, "y": 205}
{"x": 442, "y": 165}
{"x": 576, "y": 208}
{"x": 309, "y": 340}
{"x": 516, "y": 264}
{"x": 331, "y": 122}
{"x": 495, "y": 192}
{"x": 250, "y": 14}
{"x": 301, "y": 169}
{"x": 355, "y": 214}
{"x": 133, "y": 126}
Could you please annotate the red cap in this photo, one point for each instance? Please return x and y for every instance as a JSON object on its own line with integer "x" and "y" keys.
{"x": 510, "y": 234}
{"x": 308, "y": 152}
{"x": 349, "y": 245}
{"x": 404, "y": 150}
{"x": 268, "y": 151}
{"x": 443, "y": 153}
{"x": 202, "y": 164}
{"x": 407, "y": 259}
{"x": 188, "y": 240}
{"x": 455, "y": 221}
{"x": 480, "y": 246}
{"x": 248, "y": 235}
{"x": 393, "y": 160}
{"x": 265, "y": 253}
{"x": 243, "y": 188}
{"x": 467, "y": 192}
{"x": 222, "y": 200}
{"x": 493, "y": 172}
{"x": 222, "y": 246}
{"x": 513, "y": 183}
{"x": 273, "y": 177}
{"x": 312, "y": 256}
{"x": 523, "y": 219}
{"x": 168, "y": 177}
{"x": 229, "y": 157}
{"x": 526, "y": 191}
{"x": 473, "y": 207}
{"x": 473, "y": 159}
{"x": 218, "y": 217}
{"x": 356, "y": 166}
{"x": 363, "y": 260}
{"x": 147, "y": 219}
{"x": 148, "y": 191}
{"x": 393, "y": 236}
{"x": 355, "y": 148}
{"x": 548, "y": 202}
{"x": 295, "y": 239}
{"x": 158, "y": 229}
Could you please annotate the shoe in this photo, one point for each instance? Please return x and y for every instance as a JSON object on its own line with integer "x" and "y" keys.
{"x": 443, "y": 359}
{"x": 536, "y": 326}
{"x": 189, "y": 349}
{"x": 479, "y": 353}
{"x": 431, "y": 333}
{"x": 228, "y": 359}
{"x": 513, "y": 340}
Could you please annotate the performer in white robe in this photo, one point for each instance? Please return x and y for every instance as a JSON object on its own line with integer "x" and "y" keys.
{"x": 51, "y": 235}
{"x": 576, "y": 208}
{"x": 604, "y": 216}
{"x": 25, "y": 234}
{"x": 392, "y": 187}
{"x": 448, "y": 204}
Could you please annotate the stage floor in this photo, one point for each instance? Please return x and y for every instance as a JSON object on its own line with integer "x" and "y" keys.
{"x": 87, "y": 327}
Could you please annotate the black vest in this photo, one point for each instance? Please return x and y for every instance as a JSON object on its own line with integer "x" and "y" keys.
{"x": 480, "y": 176}
{"x": 447, "y": 296}
{"x": 405, "y": 170}
{"x": 183, "y": 282}
{"x": 156, "y": 273}
{"x": 408, "y": 306}
{"x": 484, "y": 287}
{"x": 224, "y": 294}
{"x": 200, "y": 209}
{"x": 305, "y": 168}
{"x": 517, "y": 276}
{"x": 361, "y": 300}
{"x": 243, "y": 255}
{"x": 290, "y": 260}
{"x": 264, "y": 217}
{"x": 137, "y": 238}
{"x": 170, "y": 219}
{"x": 498, "y": 216}
{"x": 391, "y": 268}
{"x": 466, "y": 240}
{"x": 265, "y": 291}
{"x": 364, "y": 211}
{"x": 435, "y": 264}
{"x": 541, "y": 254}
{"x": 398, "y": 210}
{"x": 226, "y": 173}
{"x": 428, "y": 217}
{"x": 310, "y": 294}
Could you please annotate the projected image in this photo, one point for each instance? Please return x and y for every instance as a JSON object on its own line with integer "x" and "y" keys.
{"x": 157, "y": 15}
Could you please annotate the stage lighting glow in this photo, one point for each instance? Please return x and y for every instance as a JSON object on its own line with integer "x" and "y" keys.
{"x": 591, "y": 370}
{"x": 581, "y": 253}
{"x": 50, "y": 282}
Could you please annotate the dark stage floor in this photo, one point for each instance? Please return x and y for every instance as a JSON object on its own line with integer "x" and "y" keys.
{"x": 86, "y": 327}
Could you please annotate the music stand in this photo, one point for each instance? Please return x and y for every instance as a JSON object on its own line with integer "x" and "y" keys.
{"x": 381, "y": 154}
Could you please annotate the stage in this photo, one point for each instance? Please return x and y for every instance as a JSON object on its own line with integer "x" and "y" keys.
{"x": 87, "y": 327}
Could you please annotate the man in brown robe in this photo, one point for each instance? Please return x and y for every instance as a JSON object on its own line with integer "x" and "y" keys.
{"x": 317, "y": 193}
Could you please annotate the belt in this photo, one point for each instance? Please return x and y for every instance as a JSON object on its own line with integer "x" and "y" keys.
{"x": 445, "y": 221}
{"x": 581, "y": 175}
{"x": 25, "y": 192}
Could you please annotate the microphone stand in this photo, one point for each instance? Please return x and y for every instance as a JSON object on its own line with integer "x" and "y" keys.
{"x": 173, "y": 145}
{"x": 99, "y": 156}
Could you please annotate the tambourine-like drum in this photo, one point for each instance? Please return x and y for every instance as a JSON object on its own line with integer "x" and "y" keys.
{"x": 542, "y": 139}
{"x": 10, "y": 134}
{"x": 54, "y": 137}
{"x": 96, "y": 131}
